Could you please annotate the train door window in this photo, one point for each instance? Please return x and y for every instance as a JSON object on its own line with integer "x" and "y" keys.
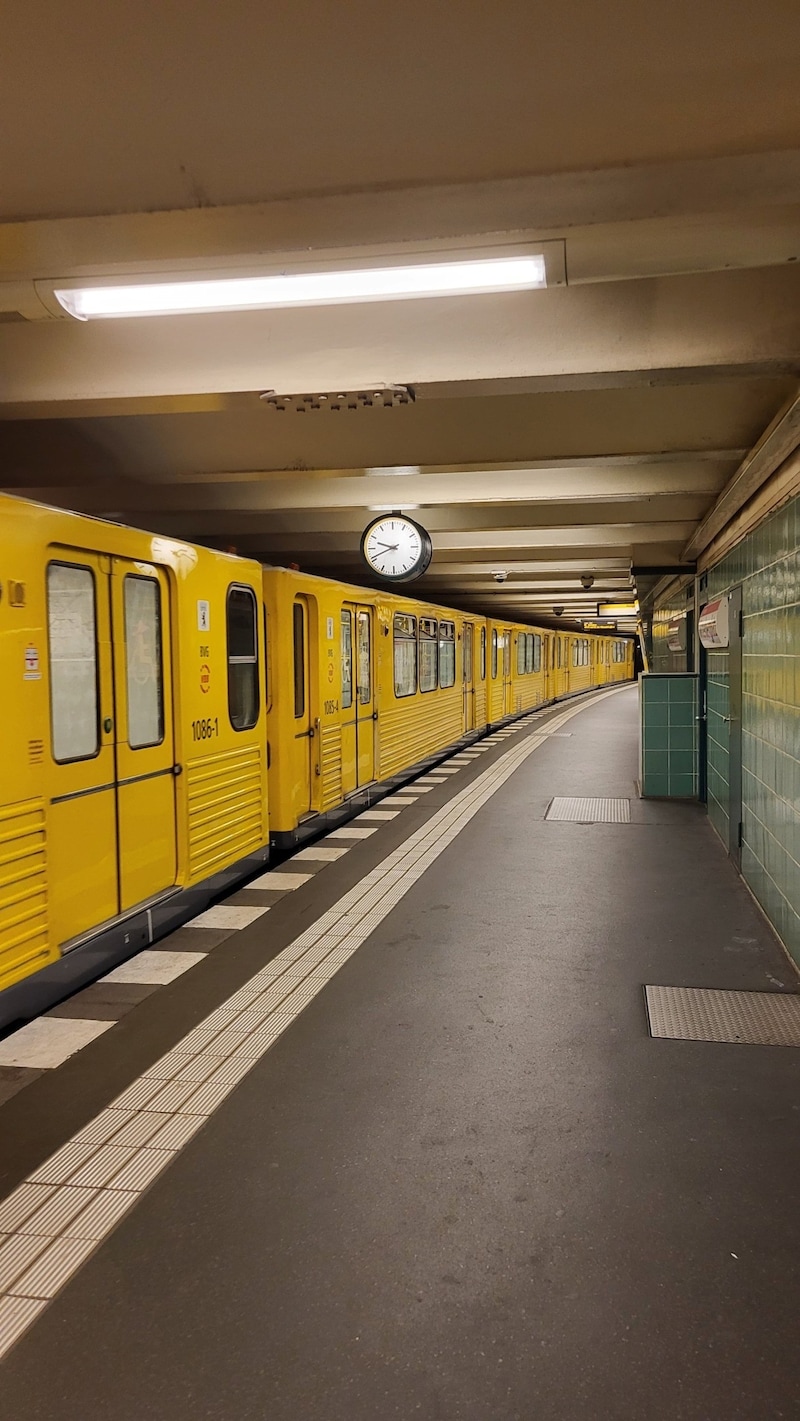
{"x": 537, "y": 653}
{"x": 447, "y": 654}
{"x": 243, "y": 700}
{"x": 494, "y": 653}
{"x": 299, "y": 647}
{"x": 483, "y": 653}
{"x": 506, "y": 654}
{"x": 522, "y": 641}
{"x": 347, "y": 659}
{"x": 428, "y": 654}
{"x": 405, "y": 654}
{"x": 72, "y": 649}
{"x": 144, "y": 672}
{"x": 364, "y": 660}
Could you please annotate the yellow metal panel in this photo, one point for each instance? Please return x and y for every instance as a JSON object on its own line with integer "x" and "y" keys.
{"x": 226, "y": 817}
{"x": 24, "y": 939}
{"x": 331, "y": 760}
{"x": 83, "y": 864}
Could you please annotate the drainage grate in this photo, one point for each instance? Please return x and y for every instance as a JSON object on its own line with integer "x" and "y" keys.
{"x": 702, "y": 1014}
{"x": 590, "y": 811}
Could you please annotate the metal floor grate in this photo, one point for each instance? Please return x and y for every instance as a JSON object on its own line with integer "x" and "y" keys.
{"x": 590, "y": 811}
{"x": 703, "y": 1014}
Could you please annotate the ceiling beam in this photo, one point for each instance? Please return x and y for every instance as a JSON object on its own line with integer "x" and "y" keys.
{"x": 728, "y": 318}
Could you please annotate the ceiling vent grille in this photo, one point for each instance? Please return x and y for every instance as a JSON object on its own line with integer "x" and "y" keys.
{"x": 386, "y": 398}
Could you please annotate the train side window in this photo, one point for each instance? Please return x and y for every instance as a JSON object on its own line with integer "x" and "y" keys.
{"x": 242, "y": 626}
{"x": 537, "y": 653}
{"x": 405, "y": 654}
{"x": 299, "y": 650}
{"x": 483, "y": 653}
{"x": 364, "y": 668}
{"x": 72, "y": 652}
{"x": 447, "y": 654}
{"x": 494, "y": 653}
{"x": 428, "y": 654}
{"x": 347, "y": 659}
{"x": 521, "y": 653}
{"x": 144, "y": 668}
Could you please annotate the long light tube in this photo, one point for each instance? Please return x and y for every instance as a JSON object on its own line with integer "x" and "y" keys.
{"x": 316, "y": 288}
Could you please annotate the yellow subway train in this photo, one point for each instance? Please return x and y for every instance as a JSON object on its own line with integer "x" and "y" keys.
{"x": 170, "y": 713}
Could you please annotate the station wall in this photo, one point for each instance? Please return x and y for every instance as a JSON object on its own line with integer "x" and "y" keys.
{"x": 766, "y": 564}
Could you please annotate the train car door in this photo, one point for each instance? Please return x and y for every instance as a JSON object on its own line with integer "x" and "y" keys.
{"x": 303, "y": 746}
{"x": 82, "y": 820}
{"x": 468, "y": 675}
{"x": 365, "y": 697}
{"x": 349, "y": 722}
{"x": 145, "y": 756}
{"x": 508, "y": 684}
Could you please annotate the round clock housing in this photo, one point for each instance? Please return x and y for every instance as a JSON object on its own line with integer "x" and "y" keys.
{"x": 396, "y": 548}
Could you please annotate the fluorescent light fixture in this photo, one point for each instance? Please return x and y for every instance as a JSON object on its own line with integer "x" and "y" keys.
{"x": 391, "y": 507}
{"x": 398, "y": 471}
{"x": 314, "y": 288}
{"x": 618, "y": 609}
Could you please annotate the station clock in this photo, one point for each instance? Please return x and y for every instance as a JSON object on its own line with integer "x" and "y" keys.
{"x": 396, "y": 548}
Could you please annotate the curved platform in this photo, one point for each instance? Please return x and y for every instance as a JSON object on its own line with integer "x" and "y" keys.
{"x": 399, "y": 1142}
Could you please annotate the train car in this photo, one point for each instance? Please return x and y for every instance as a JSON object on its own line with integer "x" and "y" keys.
{"x": 364, "y": 686}
{"x": 170, "y": 712}
{"x": 519, "y": 668}
{"x": 133, "y": 785}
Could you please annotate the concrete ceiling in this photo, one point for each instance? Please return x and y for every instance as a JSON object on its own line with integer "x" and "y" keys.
{"x": 588, "y": 428}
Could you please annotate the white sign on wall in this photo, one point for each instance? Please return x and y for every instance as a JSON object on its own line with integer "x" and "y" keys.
{"x": 713, "y": 624}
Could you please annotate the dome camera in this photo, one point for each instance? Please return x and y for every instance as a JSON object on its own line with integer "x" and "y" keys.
{"x": 500, "y": 575}
{"x": 587, "y": 581}
{"x": 559, "y": 611}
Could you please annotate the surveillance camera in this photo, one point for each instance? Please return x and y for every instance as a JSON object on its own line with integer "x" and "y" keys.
{"x": 500, "y": 575}
{"x": 558, "y": 611}
{"x": 587, "y": 581}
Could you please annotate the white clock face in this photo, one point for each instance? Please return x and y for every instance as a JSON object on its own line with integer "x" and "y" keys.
{"x": 393, "y": 547}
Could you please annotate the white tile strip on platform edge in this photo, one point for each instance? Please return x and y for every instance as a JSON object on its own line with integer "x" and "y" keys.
{"x": 190, "y": 1082}
{"x": 224, "y": 916}
{"x": 154, "y": 966}
{"x": 49, "y": 1041}
{"x": 279, "y": 881}
{"x": 320, "y": 853}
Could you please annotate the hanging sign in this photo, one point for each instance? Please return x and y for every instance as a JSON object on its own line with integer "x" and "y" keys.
{"x": 713, "y": 624}
{"x": 676, "y": 634}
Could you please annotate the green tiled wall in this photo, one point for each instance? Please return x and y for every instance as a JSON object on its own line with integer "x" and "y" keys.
{"x": 668, "y": 706}
{"x": 661, "y": 658}
{"x": 767, "y": 564}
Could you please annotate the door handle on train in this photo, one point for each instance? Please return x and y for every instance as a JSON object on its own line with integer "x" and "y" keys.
{"x": 177, "y": 769}
{"x": 108, "y": 725}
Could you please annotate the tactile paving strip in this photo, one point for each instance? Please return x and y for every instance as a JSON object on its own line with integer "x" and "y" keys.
{"x": 590, "y": 811}
{"x": 705, "y": 1014}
